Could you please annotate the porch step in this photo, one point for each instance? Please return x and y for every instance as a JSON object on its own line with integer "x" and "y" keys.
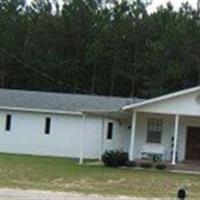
{"x": 189, "y": 166}
{"x": 186, "y": 172}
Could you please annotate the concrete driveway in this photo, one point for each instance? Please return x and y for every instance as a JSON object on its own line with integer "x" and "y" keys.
{"x": 15, "y": 194}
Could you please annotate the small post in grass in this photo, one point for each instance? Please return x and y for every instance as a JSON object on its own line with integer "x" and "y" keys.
{"x": 182, "y": 194}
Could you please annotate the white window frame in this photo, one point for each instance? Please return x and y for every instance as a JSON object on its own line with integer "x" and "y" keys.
{"x": 154, "y": 129}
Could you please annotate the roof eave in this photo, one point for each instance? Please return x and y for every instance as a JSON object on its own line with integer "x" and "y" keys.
{"x": 161, "y": 98}
{"x": 47, "y": 111}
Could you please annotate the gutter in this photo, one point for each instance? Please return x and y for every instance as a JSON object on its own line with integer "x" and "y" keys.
{"x": 41, "y": 110}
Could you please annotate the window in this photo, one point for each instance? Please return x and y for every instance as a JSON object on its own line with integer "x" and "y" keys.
{"x": 8, "y": 122}
{"x": 47, "y": 125}
{"x": 110, "y": 131}
{"x": 154, "y": 132}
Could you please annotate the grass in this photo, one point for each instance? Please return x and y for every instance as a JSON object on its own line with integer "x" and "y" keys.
{"x": 61, "y": 174}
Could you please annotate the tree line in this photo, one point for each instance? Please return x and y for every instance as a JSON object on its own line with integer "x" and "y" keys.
{"x": 85, "y": 47}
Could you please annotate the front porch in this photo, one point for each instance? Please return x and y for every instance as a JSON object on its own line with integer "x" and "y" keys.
{"x": 187, "y": 166}
{"x": 176, "y": 138}
{"x": 176, "y": 132}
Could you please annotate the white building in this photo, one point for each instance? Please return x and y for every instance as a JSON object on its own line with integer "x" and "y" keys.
{"x": 83, "y": 126}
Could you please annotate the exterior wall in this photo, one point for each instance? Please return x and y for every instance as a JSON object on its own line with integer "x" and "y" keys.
{"x": 92, "y": 137}
{"x": 27, "y": 135}
{"x": 120, "y": 140}
{"x": 167, "y": 134}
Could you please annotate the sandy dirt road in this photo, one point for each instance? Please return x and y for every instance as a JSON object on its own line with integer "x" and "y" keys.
{"x": 16, "y": 194}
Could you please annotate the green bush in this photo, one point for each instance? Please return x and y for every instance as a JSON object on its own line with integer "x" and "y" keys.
{"x": 160, "y": 166}
{"x": 115, "y": 158}
{"x": 156, "y": 157}
{"x": 146, "y": 165}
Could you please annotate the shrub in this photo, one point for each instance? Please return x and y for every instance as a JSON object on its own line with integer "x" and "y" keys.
{"x": 131, "y": 164}
{"x": 156, "y": 158}
{"x": 108, "y": 159}
{"x": 115, "y": 158}
{"x": 160, "y": 166}
{"x": 146, "y": 165}
{"x": 122, "y": 158}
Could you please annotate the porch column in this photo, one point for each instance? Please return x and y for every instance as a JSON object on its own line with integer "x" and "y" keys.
{"x": 177, "y": 119}
{"x": 132, "y": 139}
{"x": 82, "y": 140}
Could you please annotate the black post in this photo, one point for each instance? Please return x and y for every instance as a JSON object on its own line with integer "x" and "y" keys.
{"x": 182, "y": 194}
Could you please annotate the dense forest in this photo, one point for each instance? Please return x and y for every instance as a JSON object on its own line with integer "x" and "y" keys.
{"x": 85, "y": 47}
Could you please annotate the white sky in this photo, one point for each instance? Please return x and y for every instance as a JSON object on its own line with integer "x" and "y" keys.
{"x": 175, "y": 3}
{"x": 157, "y": 3}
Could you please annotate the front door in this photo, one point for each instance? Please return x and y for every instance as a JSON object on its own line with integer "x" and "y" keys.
{"x": 193, "y": 143}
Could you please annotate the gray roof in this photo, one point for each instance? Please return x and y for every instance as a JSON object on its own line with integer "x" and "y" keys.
{"x": 61, "y": 101}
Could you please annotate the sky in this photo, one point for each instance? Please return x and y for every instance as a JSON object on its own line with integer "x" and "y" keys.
{"x": 157, "y": 3}
{"x": 175, "y": 3}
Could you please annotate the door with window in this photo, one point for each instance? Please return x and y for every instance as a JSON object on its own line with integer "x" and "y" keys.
{"x": 193, "y": 143}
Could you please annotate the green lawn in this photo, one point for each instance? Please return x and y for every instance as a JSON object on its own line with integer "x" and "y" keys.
{"x": 45, "y": 173}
